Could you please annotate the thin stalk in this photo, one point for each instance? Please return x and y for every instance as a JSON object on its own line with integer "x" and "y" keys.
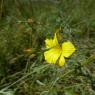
{"x": 25, "y": 76}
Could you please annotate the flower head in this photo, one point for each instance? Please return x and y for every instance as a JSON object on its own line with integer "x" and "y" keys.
{"x": 57, "y": 53}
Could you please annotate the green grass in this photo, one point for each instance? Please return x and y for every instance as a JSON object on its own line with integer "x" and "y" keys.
{"x": 24, "y": 73}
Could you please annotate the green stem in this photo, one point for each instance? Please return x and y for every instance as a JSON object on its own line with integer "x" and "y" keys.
{"x": 89, "y": 60}
{"x": 37, "y": 69}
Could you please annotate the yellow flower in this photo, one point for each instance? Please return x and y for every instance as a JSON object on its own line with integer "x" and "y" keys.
{"x": 57, "y": 52}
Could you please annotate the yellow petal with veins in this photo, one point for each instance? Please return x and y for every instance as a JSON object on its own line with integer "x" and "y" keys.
{"x": 52, "y": 55}
{"x": 68, "y": 49}
{"x": 51, "y": 42}
{"x": 61, "y": 60}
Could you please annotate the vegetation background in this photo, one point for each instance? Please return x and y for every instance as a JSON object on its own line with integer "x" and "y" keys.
{"x": 24, "y": 25}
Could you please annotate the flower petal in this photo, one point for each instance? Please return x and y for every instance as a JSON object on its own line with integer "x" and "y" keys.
{"x": 55, "y": 40}
{"x": 61, "y": 60}
{"x": 68, "y": 49}
{"x": 52, "y": 55}
{"x": 51, "y": 42}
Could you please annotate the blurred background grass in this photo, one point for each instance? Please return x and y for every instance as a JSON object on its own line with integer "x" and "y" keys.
{"x": 24, "y": 24}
